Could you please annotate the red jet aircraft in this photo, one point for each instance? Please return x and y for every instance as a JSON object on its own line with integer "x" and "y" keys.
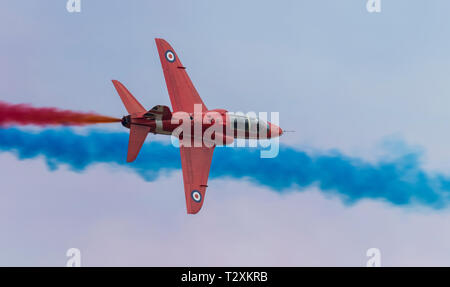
{"x": 195, "y": 159}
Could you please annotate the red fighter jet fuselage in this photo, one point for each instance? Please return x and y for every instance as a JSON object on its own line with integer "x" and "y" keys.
{"x": 228, "y": 126}
{"x": 198, "y": 128}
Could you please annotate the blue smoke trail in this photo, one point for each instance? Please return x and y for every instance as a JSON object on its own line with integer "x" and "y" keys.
{"x": 400, "y": 182}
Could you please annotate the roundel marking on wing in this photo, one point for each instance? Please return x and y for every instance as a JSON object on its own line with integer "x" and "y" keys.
{"x": 170, "y": 56}
{"x": 196, "y": 196}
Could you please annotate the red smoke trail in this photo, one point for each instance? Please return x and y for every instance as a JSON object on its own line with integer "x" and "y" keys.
{"x": 22, "y": 114}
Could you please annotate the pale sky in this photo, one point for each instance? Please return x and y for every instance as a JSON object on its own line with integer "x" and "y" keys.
{"x": 342, "y": 78}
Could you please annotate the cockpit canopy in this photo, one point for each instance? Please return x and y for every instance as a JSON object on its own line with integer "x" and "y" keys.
{"x": 248, "y": 124}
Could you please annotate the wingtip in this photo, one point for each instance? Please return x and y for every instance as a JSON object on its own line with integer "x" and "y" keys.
{"x": 192, "y": 212}
{"x": 162, "y": 42}
{"x": 157, "y": 40}
{"x": 194, "y": 208}
{"x": 131, "y": 157}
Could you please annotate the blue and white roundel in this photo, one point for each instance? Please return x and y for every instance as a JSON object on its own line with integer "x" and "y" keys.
{"x": 196, "y": 196}
{"x": 170, "y": 56}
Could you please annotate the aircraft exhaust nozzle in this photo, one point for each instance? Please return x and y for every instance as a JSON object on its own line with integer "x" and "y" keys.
{"x": 126, "y": 121}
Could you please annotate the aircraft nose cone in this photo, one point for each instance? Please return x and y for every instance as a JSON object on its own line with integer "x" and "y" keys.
{"x": 276, "y": 131}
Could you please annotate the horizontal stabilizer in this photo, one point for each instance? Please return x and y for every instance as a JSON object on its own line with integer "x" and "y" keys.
{"x": 137, "y": 137}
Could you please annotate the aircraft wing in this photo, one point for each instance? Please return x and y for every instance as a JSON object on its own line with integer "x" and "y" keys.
{"x": 195, "y": 162}
{"x": 182, "y": 92}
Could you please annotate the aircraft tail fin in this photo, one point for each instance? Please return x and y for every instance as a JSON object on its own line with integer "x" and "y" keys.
{"x": 137, "y": 137}
{"x": 131, "y": 104}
